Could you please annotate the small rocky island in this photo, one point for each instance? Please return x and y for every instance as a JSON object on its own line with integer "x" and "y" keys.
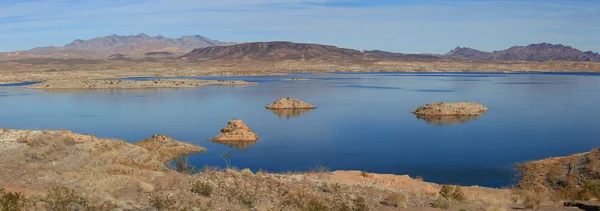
{"x": 451, "y": 109}
{"x": 289, "y": 103}
{"x": 236, "y": 134}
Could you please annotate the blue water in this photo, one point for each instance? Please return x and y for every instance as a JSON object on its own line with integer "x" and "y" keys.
{"x": 363, "y": 121}
{"x": 18, "y": 84}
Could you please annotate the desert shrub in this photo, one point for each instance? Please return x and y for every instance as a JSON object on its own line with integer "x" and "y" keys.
{"x": 247, "y": 172}
{"x": 55, "y": 140}
{"x": 532, "y": 201}
{"x": 181, "y": 165}
{"x": 5, "y": 130}
{"x": 593, "y": 187}
{"x": 233, "y": 172}
{"x": 593, "y": 162}
{"x": 452, "y": 192}
{"x": 12, "y": 201}
{"x": 59, "y": 199}
{"x": 396, "y": 200}
{"x": 161, "y": 202}
{"x": 247, "y": 198}
{"x": 202, "y": 188}
{"x": 314, "y": 204}
{"x": 331, "y": 188}
{"x": 458, "y": 194}
{"x": 321, "y": 169}
{"x": 573, "y": 194}
{"x": 419, "y": 178}
{"x": 441, "y": 203}
{"x": 360, "y": 204}
{"x": 365, "y": 174}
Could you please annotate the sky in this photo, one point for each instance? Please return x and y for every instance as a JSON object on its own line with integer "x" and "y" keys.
{"x": 408, "y": 26}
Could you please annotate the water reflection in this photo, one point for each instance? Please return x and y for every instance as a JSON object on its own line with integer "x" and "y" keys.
{"x": 236, "y": 144}
{"x": 289, "y": 113}
{"x": 446, "y": 120}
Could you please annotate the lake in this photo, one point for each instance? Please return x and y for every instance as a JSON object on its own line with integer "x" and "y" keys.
{"x": 363, "y": 121}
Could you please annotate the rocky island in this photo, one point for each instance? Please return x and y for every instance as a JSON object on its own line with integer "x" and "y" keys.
{"x": 235, "y": 132}
{"x": 289, "y": 103}
{"x": 451, "y": 109}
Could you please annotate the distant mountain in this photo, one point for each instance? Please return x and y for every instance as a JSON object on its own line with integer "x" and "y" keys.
{"x": 133, "y": 46}
{"x": 274, "y": 51}
{"x": 389, "y": 55}
{"x": 468, "y": 53}
{"x": 535, "y": 52}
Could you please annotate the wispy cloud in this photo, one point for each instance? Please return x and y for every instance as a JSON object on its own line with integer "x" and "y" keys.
{"x": 403, "y": 26}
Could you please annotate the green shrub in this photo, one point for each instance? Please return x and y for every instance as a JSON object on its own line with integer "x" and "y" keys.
{"x": 12, "y": 201}
{"x": 593, "y": 187}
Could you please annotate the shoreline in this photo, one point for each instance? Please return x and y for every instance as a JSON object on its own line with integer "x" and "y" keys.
{"x": 103, "y": 169}
{"x": 132, "y": 84}
{"x": 22, "y": 71}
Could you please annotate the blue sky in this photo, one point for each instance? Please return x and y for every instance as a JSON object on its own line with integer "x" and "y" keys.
{"x": 410, "y": 26}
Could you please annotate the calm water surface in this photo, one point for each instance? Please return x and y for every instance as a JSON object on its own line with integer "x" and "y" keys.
{"x": 363, "y": 121}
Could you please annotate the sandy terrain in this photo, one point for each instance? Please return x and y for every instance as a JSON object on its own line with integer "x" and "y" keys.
{"x": 111, "y": 173}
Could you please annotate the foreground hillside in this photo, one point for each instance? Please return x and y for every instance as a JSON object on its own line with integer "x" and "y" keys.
{"x": 62, "y": 170}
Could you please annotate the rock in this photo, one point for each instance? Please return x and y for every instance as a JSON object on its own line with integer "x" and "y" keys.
{"x": 168, "y": 148}
{"x": 450, "y": 109}
{"x": 297, "y": 79}
{"x": 289, "y": 103}
{"x": 236, "y": 131}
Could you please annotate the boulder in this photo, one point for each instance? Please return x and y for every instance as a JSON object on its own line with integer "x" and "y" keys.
{"x": 236, "y": 131}
{"x": 450, "y": 109}
{"x": 289, "y": 103}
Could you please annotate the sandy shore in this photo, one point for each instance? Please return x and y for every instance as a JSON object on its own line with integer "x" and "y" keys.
{"x": 132, "y": 84}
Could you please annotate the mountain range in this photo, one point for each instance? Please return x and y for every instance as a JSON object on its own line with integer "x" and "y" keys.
{"x": 535, "y": 52}
{"x": 115, "y": 47}
{"x": 136, "y": 46}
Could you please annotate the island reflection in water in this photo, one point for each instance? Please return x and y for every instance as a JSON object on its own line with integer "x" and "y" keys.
{"x": 289, "y": 113}
{"x": 446, "y": 120}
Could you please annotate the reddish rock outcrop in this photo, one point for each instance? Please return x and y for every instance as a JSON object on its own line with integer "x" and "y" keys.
{"x": 451, "y": 109}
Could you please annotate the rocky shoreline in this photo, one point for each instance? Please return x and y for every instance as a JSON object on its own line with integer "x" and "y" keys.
{"x": 115, "y": 174}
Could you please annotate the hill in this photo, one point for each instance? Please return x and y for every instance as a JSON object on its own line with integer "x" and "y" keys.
{"x": 274, "y": 51}
{"x": 136, "y": 46}
{"x": 534, "y": 52}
